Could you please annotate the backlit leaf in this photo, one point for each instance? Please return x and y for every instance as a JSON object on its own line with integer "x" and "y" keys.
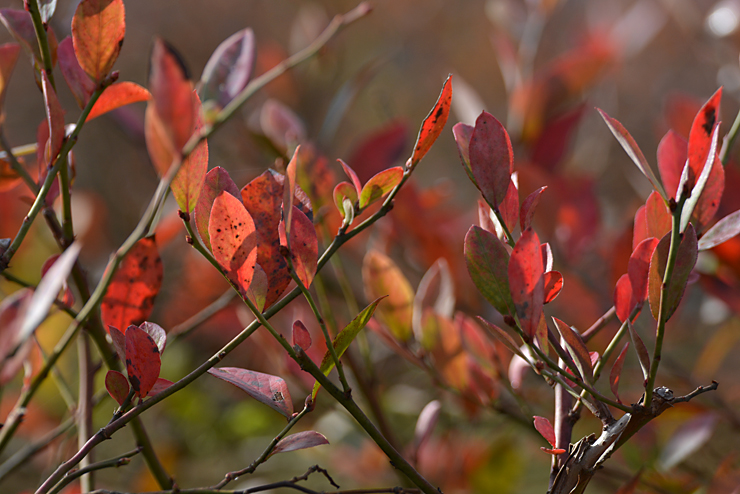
{"x": 98, "y": 28}
{"x": 658, "y": 218}
{"x": 616, "y": 372}
{"x": 700, "y": 138}
{"x": 381, "y": 277}
{"x": 701, "y": 181}
{"x": 54, "y": 117}
{"x": 709, "y": 201}
{"x": 463, "y": 133}
{"x": 117, "y": 386}
{"x": 344, "y": 338}
{"x": 233, "y": 239}
{"x": 188, "y": 182}
{"x": 685, "y": 261}
{"x": 553, "y": 282}
{"x": 642, "y": 354}
{"x": 633, "y": 151}
{"x": 638, "y": 269}
{"x": 344, "y": 190}
{"x": 491, "y": 158}
{"x": 289, "y": 186}
{"x": 301, "y": 336}
{"x": 77, "y": 79}
{"x": 577, "y": 349}
{"x": 217, "y": 180}
{"x": 300, "y": 440}
{"x": 118, "y": 95}
{"x": 623, "y": 298}
{"x": 130, "y": 295}
{"x": 304, "y": 246}
{"x": 724, "y": 230}
{"x": 380, "y": 185}
{"x": 156, "y": 333}
{"x": 672, "y": 155}
{"x": 267, "y": 389}
{"x": 257, "y": 291}
{"x": 544, "y": 427}
{"x": 526, "y": 282}
{"x": 143, "y": 361}
{"x": 528, "y": 207}
{"x": 352, "y": 176}
{"x": 228, "y": 70}
{"x": 433, "y": 124}
{"x": 8, "y": 57}
{"x": 487, "y": 261}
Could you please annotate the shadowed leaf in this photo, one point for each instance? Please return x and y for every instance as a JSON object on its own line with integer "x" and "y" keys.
{"x": 267, "y": 389}
{"x": 463, "y": 133}
{"x": 304, "y": 246}
{"x": 228, "y": 70}
{"x": 300, "y": 440}
{"x": 118, "y": 95}
{"x": 638, "y": 269}
{"x": 289, "y": 186}
{"x": 433, "y": 124}
{"x": 491, "y": 158}
{"x": 501, "y": 336}
{"x": 143, "y": 361}
{"x": 54, "y": 118}
{"x": 685, "y": 261}
{"x": 526, "y": 272}
{"x": 257, "y": 291}
{"x": 687, "y": 440}
{"x": 130, "y": 295}
{"x": 577, "y": 349}
{"x": 159, "y": 386}
{"x": 642, "y": 354}
{"x": 382, "y": 277}
{"x": 658, "y": 219}
{"x": 217, "y": 180}
{"x": 157, "y": 334}
{"x": 20, "y": 26}
{"x": 702, "y": 181}
{"x": 117, "y": 386}
{"x": 344, "y": 190}
{"x": 487, "y": 261}
{"x": 616, "y": 372}
{"x": 380, "y": 185}
{"x": 352, "y": 176}
{"x": 98, "y": 28}
{"x": 509, "y": 208}
{"x": 77, "y": 79}
{"x": 119, "y": 342}
{"x": 301, "y": 336}
{"x": 8, "y": 57}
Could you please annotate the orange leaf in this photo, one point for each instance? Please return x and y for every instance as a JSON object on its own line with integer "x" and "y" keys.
{"x": 433, "y": 124}
{"x": 118, "y": 95}
{"x": 304, "y": 246}
{"x": 98, "y": 28}
{"x": 382, "y": 277}
{"x": 188, "y": 182}
{"x": 130, "y": 296}
{"x": 216, "y": 181}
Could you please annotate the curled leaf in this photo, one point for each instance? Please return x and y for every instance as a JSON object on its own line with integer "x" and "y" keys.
{"x": 143, "y": 361}
{"x": 380, "y": 185}
{"x": 267, "y": 389}
{"x": 433, "y": 124}
{"x": 300, "y": 440}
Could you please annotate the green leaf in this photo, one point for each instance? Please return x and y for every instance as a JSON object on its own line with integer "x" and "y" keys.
{"x": 380, "y": 185}
{"x": 488, "y": 261}
{"x": 685, "y": 261}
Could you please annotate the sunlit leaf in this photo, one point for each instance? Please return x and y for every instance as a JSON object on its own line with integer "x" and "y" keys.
{"x": 672, "y": 155}
{"x": 526, "y": 282}
{"x": 300, "y": 440}
{"x": 685, "y": 261}
{"x": 381, "y": 277}
{"x": 98, "y": 28}
{"x": 217, "y": 180}
{"x": 344, "y": 190}
{"x": 187, "y": 184}
{"x": 289, "y": 186}
{"x": 724, "y": 230}
{"x": 553, "y": 283}
{"x": 130, "y": 296}
{"x": 577, "y": 349}
{"x": 700, "y": 138}
{"x": 118, "y": 95}
{"x": 304, "y": 246}
{"x": 491, "y": 158}
{"x": 117, "y": 386}
{"x": 701, "y": 181}
{"x": 380, "y": 185}
{"x": 228, "y": 70}
{"x": 233, "y": 239}
{"x": 143, "y": 361}
{"x": 638, "y": 269}
{"x": 267, "y": 389}
{"x": 658, "y": 218}
{"x": 529, "y": 205}
{"x": 487, "y": 261}
{"x": 544, "y": 427}
{"x": 157, "y": 334}
{"x": 433, "y": 124}
{"x": 623, "y": 298}
{"x": 616, "y": 372}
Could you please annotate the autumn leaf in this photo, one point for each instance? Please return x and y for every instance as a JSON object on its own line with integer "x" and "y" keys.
{"x": 685, "y": 261}
{"x": 118, "y": 95}
{"x": 381, "y": 277}
{"x": 267, "y": 389}
{"x": 117, "y": 386}
{"x": 526, "y": 282}
{"x": 228, "y": 70}
{"x": 217, "y": 180}
{"x": 98, "y": 28}
{"x": 300, "y": 440}
{"x": 433, "y": 124}
{"x": 491, "y": 158}
{"x": 143, "y": 361}
{"x": 487, "y": 261}
{"x": 304, "y": 246}
{"x": 380, "y": 185}
{"x": 301, "y": 336}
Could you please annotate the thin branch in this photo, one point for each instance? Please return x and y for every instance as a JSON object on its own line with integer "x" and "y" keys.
{"x": 696, "y": 392}
{"x": 16, "y": 165}
{"x": 599, "y": 324}
{"x": 116, "y": 462}
{"x": 186, "y": 327}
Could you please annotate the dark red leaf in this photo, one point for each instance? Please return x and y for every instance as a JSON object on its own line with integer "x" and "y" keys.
{"x": 98, "y": 28}
{"x": 577, "y": 349}
{"x": 119, "y": 342}
{"x": 709, "y": 201}
{"x": 672, "y": 154}
{"x": 509, "y": 208}
{"x": 301, "y": 336}
{"x": 642, "y": 354}
{"x": 700, "y": 136}
{"x": 487, "y": 261}
{"x": 544, "y": 427}
{"x": 491, "y": 158}
{"x": 553, "y": 282}
{"x": 433, "y": 124}
{"x": 143, "y": 361}
{"x": 267, "y": 389}
{"x": 117, "y": 386}
{"x": 304, "y": 246}
{"x": 228, "y": 70}
{"x": 638, "y": 269}
{"x": 118, "y": 95}
{"x": 233, "y": 239}
{"x": 616, "y": 372}
{"x": 77, "y": 79}
{"x": 623, "y": 298}
{"x": 526, "y": 282}
{"x": 528, "y": 207}
{"x": 685, "y": 261}
{"x": 217, "y": 180}
{"x": 130, "y": 295}
{"x": 159, "y": 386}
{"x": 300, "y": 440}
{"x": 463, "y": 133}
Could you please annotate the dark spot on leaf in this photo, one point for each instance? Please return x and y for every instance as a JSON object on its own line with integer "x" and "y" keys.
{"x": 135, "y": 383}
{"x": 710, "y": 117}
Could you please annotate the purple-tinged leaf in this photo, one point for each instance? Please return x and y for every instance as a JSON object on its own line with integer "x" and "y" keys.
{"x": 380, "y": 185}
{"x": 119, "y": 342}
{"x": 77, "y": 79}
{"x": 487, "y": 261}
{"x": 304, "y": 246}
{"x": 8, "y": 58}
{"x": 425, "y": 423}
{"x": 352, "y": 176}
{"x": 722, "y": 231}
{"x": 117, "y": 386}
{"x": 156, "y": 333}
{"x": 528, "y": 207}
{"x": 20, "y": 26}
{"x": 577, "y": 349}
{"x": 228, "y": 70}
{"x": 143, "y": 361}
{"x": 501, "y": 336}
{"x": 217, "y": 180}
{"x": 301, "y": 336}
{"x": 642, "y": 354}
{"x": 159, "y": 386}
{"x": 300, "y": 440}
{"x": 685, "y": 261}
{"x": 526, "y": 281}
{"x": 633, "y": 151}
{"x": 491, "y": 158}
{"x": 267, "y": 389}
{"x": 688, "y": 438}
{"x": 433, "y": 124}
{"x": 616, "y": 372}
{"x": 281, "y": 125}
{"x": 463, "y": 133}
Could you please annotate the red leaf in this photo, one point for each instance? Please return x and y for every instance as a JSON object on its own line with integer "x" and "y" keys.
{"x": 143, "y": 361}
{"x": 54, "y": 118}
{"x": 700, "y": 136}
{"x": 724, "y": 230}
{"x": 380, "y": 185}
{"x": 638, "y": 269}
{"x": 217, "y": 180}
{"x": 709, "y": 201}
{"x": 528, "y": 207}
{"x": 491, "y": 158}
{"x": 130, "y": 295}
{"x": 267, "y": 389}
{"x": 118, "y": 95}
{"x": 188, "y": 182}
{"x": 8, "y": 57}
{"x": 544, "y": 427}
{"x": 156, "y": 333}
{"x": 553, "y": 451}
{"x": 685, "y": 261}
{"x": 77, "y": 79}
{"x": 509, "y": 208}
{"x": 20, "y": 26}
{"x": 300, "y": 440}
{"x": 119, "y": 342}
{"x": 234, "y": 239}
{"x": 616, "y": 372}
{"x": 433, "y": 124}
{"x": 640, "y": 231}
{"x": 657, "y": 216}
{"x": 642, "y": 354}
{"x": 304, "y": 246}
{"x": 288, "y": 193}
{"x": 98, "y": 28}
{"x": 159, "y": 386}
{"x": 487, "y": 261}
{"x": 301, "y": 336}
{"x": 553, "y": 282}
{"x": 526, "y": 280}
{"x": 623, "y": 298}
{"x": 672, "y": 154}
{"x": 172, "y": 96}
{"x": 229, "y": 68}
{"x": 117, "y": 386}
{"x": 352, "y": 176}
{"x": 257, "y": 291}
{"x": 463, "y": 133}
{"x": 485, "y": 217}
{"x": 577, "y": 349}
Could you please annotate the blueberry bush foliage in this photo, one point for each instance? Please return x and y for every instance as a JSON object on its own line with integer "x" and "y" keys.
{"x": 364, "y": 321}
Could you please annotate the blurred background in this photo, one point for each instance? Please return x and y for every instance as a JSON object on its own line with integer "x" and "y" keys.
{"x": 541, "y": 67}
